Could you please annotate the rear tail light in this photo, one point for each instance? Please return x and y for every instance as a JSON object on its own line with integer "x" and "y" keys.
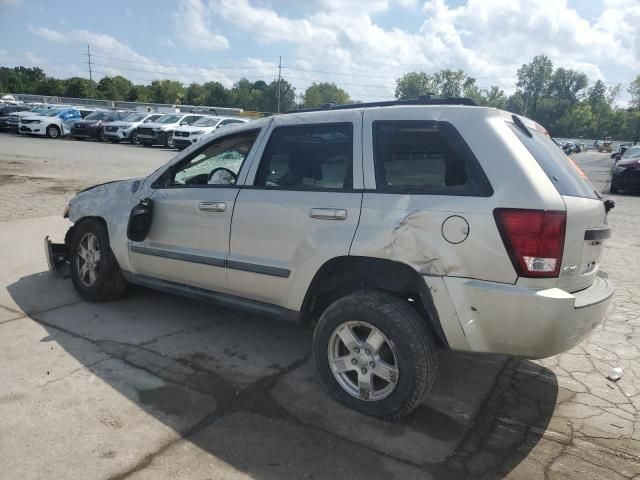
{"x": 534, "y": 240}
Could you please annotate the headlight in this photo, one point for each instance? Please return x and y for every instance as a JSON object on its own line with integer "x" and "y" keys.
{"x": 197, "y": 132}
{"x": 619, "y": 169}
{"x": 157, "y": 129}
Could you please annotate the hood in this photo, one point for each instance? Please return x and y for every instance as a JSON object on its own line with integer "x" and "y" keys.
{"x": 629, "y": 162}
{"x": 192, "y": 128}
{"x": 37, "y": 117}
{"x": 120, "y": 123}
{"x": 159, "y": 125}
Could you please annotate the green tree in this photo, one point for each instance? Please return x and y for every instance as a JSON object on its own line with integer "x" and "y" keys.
{"x": 567, "y": 84}
{"x": 451, "y": 83}
{"x": 533, "y": 81}
{"x": 139, "y": 93}
{"x": 113, "y": 88}
{"x": 167, "y": 91}
{"x": 319, "y": 93}
{"x": 216, "y": 95}
{"x": 413, "y": 84}
{"x": 51, "y": 86}
{"x": 195, "y": 94}
{"x": 78, "y": 87}
{"x": 269, "y": 98}
{"x": 495, "y": 97}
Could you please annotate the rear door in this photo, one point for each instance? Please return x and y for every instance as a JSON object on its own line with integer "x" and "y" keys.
{"x": 300, "y": 208}
{"x": 586, "y": 230}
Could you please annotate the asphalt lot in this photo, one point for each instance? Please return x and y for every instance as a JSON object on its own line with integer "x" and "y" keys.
{"x": 154, "y": 386}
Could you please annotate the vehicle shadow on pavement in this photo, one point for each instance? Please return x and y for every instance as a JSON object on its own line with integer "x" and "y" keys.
{"x": 244, "y": 391}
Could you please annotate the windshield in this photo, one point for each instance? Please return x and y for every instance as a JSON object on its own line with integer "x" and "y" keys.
{"x": 97, "y": 116}
{"x": 633, "y": 152}
{"x": 169, "y": 119}
{"x": 206, "y": 122}
{"x": 136, "y": 117}
{"x": 54, "y": 113}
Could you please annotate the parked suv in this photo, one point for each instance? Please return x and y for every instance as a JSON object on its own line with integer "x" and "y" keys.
{"x": 92, "y": 126}
{"x": 160, "y": 132}
{"x": 396, "y": 230}
{"x": 184, "y": 137}
{"x": 127, "y": 129}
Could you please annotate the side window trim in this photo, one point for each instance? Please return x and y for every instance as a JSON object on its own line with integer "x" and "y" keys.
{"x": 484, "y": 189}
{"x": 265, "y": 149}
{"x": 160, "y": 182}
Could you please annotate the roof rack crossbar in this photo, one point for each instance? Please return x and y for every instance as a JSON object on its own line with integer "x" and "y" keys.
{"x": 428, "y": 99}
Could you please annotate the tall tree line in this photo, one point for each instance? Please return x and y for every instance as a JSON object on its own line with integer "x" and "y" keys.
{"x": 563, "y": 100}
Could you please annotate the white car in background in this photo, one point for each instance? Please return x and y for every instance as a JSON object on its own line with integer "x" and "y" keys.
{"x": 184, "y": 137}
{"x": 127, "y": 129}
{"x": 55, "y": 123}
{"x": 160, "y": 132}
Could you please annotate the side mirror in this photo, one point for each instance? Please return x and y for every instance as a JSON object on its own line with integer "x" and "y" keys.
{"x": 140, "y": 220}
{"x": 182, "y": 124}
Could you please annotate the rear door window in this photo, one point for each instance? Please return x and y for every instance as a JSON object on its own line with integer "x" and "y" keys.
{"x": 565, "y": 175}
{"x": 425, "y": 157}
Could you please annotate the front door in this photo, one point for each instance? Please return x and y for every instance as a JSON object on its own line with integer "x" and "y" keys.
{"x": 192, "y": 207}
{"x": 300, "y": 210}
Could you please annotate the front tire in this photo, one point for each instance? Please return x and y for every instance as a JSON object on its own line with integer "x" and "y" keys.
{"x": 169, "y": 143}
{"x": 614, "y": 187}
{"x": 53, "y": 131}
{"x": 95, "y": 272}
{"x": 375, "y": 354}
{"x": 133, "y": 138}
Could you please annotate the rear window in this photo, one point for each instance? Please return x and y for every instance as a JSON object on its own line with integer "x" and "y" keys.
{"x": 568, "y": 179}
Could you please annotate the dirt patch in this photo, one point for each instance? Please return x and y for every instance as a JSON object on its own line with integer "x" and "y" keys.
{"x": 42, "y": 184}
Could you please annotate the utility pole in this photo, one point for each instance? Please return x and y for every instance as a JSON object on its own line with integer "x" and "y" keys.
{"x": 90, "y": 72}
{"x": 279, "y": 80}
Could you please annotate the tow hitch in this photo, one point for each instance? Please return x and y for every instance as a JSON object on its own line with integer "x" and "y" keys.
{"x": 57, "y": 257}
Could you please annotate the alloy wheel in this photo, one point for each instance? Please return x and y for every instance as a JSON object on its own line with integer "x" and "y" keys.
{"x": 88, "y": 259}
{"x": 363, "y": 361}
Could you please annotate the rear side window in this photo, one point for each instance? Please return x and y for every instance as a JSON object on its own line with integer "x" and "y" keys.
{"x": 425, "y": 157}
{"x": 314, "y": 157}
{"x": 565, "y": 175}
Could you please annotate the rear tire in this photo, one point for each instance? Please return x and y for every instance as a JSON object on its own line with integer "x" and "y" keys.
{"x": 406, "y": 354}
{"x": 147, "y": 144}
{"x": 95, "y": 272}
{"x": 53, "y": 131}
{"x": 169, "y": 143}
{"x": 133, "y": 138}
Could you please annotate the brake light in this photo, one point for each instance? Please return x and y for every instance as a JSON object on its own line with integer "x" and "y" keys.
{"x": 534, "y": 240}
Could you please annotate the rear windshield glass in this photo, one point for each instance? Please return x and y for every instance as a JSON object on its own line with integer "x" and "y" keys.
{"x": 560, "y": 169}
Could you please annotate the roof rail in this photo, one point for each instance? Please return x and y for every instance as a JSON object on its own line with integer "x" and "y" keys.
{"x": 428, "y": 99}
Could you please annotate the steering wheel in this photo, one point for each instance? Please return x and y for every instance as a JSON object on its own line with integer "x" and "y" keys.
{"x": 223, "y": 171}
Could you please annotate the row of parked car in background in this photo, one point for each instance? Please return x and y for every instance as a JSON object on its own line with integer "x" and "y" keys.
{"x": 171, "y": 130}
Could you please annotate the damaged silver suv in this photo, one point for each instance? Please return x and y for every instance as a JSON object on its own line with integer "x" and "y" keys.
{"x": 396, "y": 228}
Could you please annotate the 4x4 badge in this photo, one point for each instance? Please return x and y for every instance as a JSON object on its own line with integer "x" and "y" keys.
{"x": 569, "y": 271}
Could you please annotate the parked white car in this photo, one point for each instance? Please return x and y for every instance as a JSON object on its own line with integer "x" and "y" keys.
{"x": 53, "y": 123}
{"x": 160, "y": 132}
{"x": 396, "y": 229}
{"x": 184, "y": 137}
{"x": 127, "y": 129}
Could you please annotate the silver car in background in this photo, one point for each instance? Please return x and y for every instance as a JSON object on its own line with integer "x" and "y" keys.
{"x": 127, "y": 129}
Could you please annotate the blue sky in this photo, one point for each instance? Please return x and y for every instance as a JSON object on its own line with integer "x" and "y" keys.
{"x": 360, "y": 45}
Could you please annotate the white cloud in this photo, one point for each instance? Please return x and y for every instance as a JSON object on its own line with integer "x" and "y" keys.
{"x": 489, "y": 39}
{"x": 48, "y": 34}
{"x": 192, "y": 27}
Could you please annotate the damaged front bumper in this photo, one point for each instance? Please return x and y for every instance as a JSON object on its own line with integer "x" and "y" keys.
{"x": 57, "y": 255}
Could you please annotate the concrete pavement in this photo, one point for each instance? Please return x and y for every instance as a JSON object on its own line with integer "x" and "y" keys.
{"x": 154, "y": 386}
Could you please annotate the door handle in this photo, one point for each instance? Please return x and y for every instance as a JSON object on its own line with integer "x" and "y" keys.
{"x": 328, "y": 213}
{"x": 212, "y": 206}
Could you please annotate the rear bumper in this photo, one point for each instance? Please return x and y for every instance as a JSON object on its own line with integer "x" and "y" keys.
{"x": 629, "y": 178}
{"x": 510, "y": 320}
